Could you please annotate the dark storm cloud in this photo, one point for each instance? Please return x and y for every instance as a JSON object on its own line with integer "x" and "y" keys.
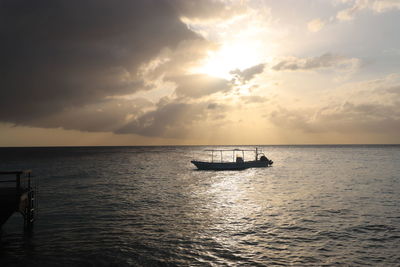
{"x": 104, "y": 116}
{"x": 170, "y": 119}
{"x": 59, "y": 55}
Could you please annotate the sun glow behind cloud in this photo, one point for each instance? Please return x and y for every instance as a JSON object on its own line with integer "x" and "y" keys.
{"x": 242, "y": 41}
{"x": 230, "y": 56}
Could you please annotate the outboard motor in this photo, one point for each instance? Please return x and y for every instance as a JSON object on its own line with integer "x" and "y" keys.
{"x": 265, "y": 159}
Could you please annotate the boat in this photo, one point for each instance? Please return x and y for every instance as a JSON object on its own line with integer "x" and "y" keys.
{"x": 236, "y": 164}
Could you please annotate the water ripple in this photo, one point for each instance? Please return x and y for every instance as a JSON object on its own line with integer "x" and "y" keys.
{"x": 318, "y": 206}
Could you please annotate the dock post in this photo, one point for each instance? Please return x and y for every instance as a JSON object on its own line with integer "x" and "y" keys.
{"x": 29, "y": 210}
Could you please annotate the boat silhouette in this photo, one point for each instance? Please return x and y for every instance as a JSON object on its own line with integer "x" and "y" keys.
{"x": 239, "y": 163}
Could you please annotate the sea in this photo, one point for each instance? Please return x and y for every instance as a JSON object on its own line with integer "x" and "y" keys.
{"x": 318, "y": 205}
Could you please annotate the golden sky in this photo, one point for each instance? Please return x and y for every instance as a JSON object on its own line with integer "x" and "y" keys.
{"x": 181, "y": 72}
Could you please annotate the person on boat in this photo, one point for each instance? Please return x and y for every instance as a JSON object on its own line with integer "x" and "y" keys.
{"x": 239, "y": 160}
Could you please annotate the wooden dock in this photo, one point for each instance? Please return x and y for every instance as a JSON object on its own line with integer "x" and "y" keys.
{"x": 17, "y": 194}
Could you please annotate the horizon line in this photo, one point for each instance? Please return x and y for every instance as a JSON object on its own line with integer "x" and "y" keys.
{"x": 188, "y": 145}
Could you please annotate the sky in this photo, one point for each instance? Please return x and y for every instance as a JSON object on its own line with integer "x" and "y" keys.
{"x": 199, "y": 72}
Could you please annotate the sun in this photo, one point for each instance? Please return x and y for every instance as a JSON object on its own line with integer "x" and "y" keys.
{"x": 230, "y": 56}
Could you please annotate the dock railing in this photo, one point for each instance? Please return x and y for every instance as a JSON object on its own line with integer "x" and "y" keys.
{"x": 19, "y": 194}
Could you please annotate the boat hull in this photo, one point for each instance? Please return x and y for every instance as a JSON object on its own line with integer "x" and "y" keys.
{"x": 221, "y": 166}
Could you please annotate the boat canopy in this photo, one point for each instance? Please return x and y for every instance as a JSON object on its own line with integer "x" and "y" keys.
{"x": 256, "y": 151}
{"x": 236, "y": 149}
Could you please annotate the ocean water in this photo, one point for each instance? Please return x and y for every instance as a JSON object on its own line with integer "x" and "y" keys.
{"x": 148, "y": 206}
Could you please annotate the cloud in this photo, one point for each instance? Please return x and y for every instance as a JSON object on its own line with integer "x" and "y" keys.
{"x": 372, "y": 108}
{"x": 177, "y": 61}
{"x": 61, "y": 58}
{"x": 194, "y": 9}
{"x": 172, "y": 119}
{"x": 325, "y": 61}
{"x": 251, "y": 99}
{"x": 378, "y": 6}
{"x": 385, "y": 5}
{"x": 346, "y": 118}
{"x": 243, "y": 76}
{"x": 199, "y": 85}
{"x": 105, "y": 116}
{"x": 214, "y": 106}
{"x": 316, "y": 25}
{"x": 393, "y": 90}
{"x": 354, "y": 7}
{"x": 352, "y": 117}
{"x": 348, "y": 13}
